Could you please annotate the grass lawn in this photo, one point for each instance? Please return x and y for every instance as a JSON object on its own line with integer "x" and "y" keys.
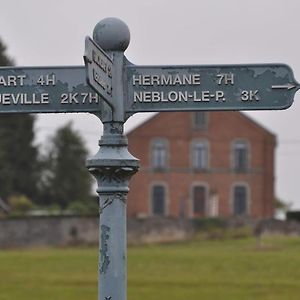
{"x": 210, "y": 270}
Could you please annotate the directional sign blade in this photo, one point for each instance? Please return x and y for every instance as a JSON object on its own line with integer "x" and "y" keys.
{"x": 99, "y": 68}
{"x": 46, "y": 90}
{"x": 232, "y": 87}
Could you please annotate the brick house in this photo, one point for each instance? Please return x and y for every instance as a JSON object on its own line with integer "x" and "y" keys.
{"x": 196, "y": 164}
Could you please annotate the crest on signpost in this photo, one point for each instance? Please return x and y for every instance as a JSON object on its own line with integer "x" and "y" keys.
{"x": 99, "y": 67}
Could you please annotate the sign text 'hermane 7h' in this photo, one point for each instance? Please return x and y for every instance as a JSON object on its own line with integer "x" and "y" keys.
{"x": 113, "y": 88}
{"x": 236, "y": 87}
{"x": 146, "y": 88}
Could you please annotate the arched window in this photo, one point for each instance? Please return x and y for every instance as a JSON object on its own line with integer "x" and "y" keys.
{"x": 158, "y": 200}
{"x": 240, "y": 200}
{"x": 240, "y": 156}
{"x": 159, "y": 154}
{"x": 199, "y": 200}
{"x": 200, "y": 155}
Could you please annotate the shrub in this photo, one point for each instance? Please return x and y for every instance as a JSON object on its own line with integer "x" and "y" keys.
{"x": 20, "y": 204}
{"x": 89, "y": 207}
{"x": 209, "y": 223}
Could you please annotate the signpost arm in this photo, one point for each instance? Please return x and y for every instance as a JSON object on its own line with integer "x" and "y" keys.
{"x": 113, "y": 167}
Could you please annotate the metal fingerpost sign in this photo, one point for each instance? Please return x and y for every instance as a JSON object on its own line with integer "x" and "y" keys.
{"x": 113, "y": 89}
{"x": 129, "y": 89}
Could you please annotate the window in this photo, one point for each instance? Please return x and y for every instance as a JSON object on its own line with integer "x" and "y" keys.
{"x": 159, "y": 154}
{"x": 240, "y": 200}
{"x": 200, "y": 120}
{"x": 199, "y": 200}
{"x": 240, "y": 152}
{"x": 200, "y": 155}
{"x": 158, "y": 199}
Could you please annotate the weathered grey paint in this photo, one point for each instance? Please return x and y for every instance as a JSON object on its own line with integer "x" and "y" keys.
{"x": 113, "y": 165}
{"x": 99, "y": 70}
{"x": 231, "y": 87}
{"x": 47, "y": 90}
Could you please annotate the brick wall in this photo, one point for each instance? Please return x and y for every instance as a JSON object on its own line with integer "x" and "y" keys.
{"x": 179, "y": 178}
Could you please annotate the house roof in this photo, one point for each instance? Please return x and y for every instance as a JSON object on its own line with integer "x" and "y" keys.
{"x": 246, "y": 117}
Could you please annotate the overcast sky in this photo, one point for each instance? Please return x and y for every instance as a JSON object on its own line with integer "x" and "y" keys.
{"x": 47, "y": 33}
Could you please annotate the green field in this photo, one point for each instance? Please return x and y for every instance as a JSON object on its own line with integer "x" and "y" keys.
{"x": 202, "y": 269}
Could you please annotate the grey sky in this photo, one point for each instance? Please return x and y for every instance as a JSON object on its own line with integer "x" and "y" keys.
{"x": 41, "y": 33}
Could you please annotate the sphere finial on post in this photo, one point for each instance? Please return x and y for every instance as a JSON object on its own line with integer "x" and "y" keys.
{"x": 112, "y": 34}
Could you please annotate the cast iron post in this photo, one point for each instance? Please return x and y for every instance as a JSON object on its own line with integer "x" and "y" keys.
{"x": 113, "y": 167}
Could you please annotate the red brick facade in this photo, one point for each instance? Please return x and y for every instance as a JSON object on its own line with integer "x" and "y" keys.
{"x": 223, "y": 167}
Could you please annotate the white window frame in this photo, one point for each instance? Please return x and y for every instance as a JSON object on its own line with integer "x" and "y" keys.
{"x": 163, "y": 143}
{"x": 194, "y": 155}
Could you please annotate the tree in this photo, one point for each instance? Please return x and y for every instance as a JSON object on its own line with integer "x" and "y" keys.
{"x": 4, "y": 59}
{"x": 20, "y": 205}
{"x": 18, "y": 155}
{"x": 282, "y": 207}
{"x": 66, "y": 179}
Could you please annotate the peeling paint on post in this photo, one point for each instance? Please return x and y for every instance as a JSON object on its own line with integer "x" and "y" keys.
{"x": 113, "y": 165}
{"x": 104, "y": 258}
